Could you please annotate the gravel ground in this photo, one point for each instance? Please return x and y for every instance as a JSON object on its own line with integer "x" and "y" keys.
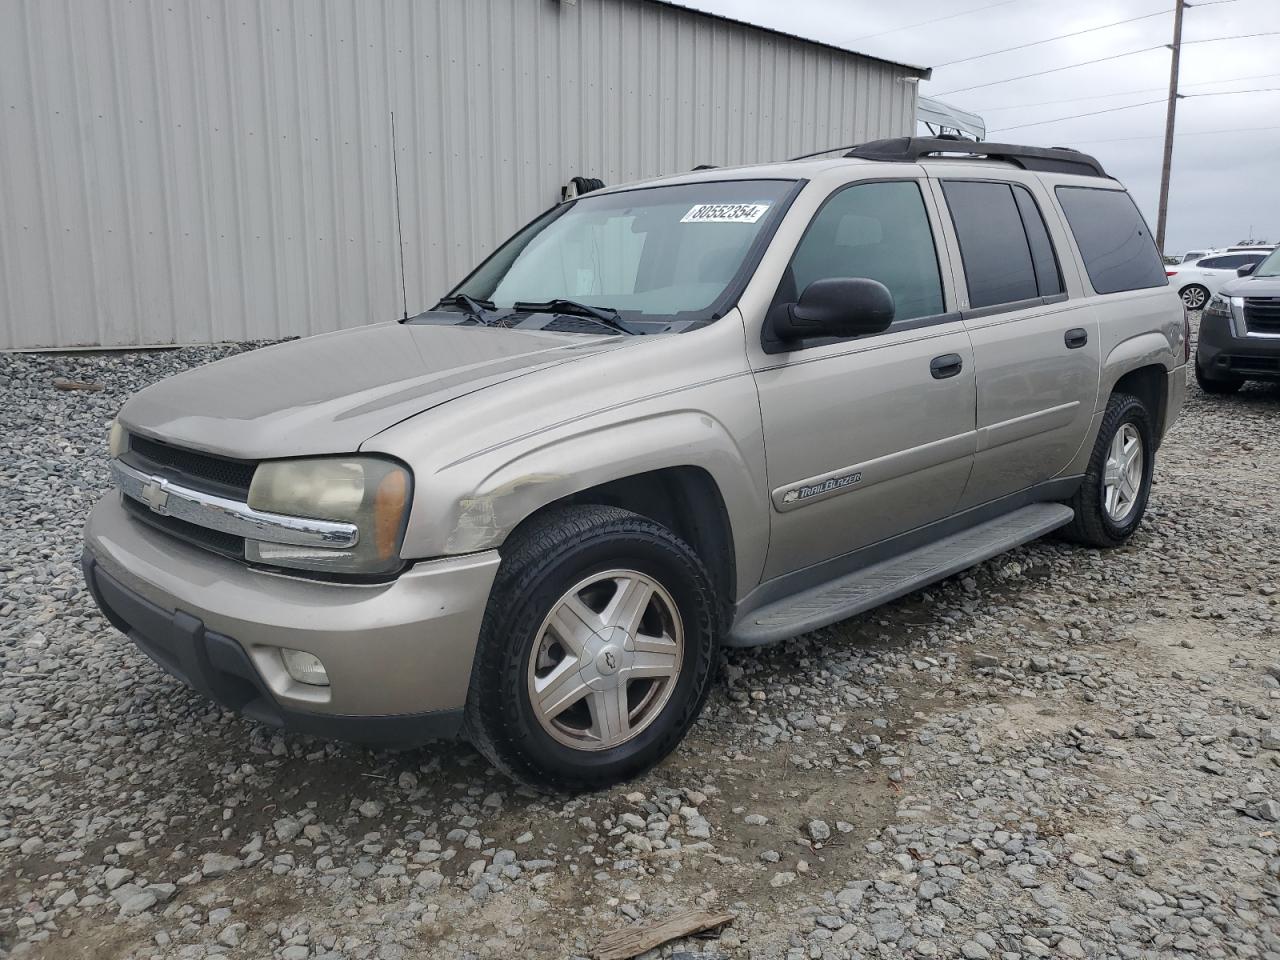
{"x": 1060, "y": 753}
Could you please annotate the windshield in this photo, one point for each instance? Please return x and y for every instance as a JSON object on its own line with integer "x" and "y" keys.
{"x": 1269, "y": 267}
{"x": 654, "y": 251}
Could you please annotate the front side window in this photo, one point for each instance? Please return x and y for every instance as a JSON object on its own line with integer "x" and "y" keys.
{"x": 655, "y": 251}
{"x": 1118, "y": 251}
{"x": 879, "y": 231}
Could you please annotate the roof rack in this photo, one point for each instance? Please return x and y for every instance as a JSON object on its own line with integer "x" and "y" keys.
{"x": 1047, "y": 159}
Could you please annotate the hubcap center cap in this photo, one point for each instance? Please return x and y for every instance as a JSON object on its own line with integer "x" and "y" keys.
{"x": 607, "y": 656}
{"x": 608, "y": 660}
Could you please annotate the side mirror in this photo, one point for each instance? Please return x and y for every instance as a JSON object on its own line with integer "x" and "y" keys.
{"x": 837, "y": 307}
{"x": 1247, "y": 269}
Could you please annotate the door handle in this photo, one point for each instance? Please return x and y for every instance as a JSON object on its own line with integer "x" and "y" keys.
{"x": 1075, "y": 338}
{"x": 947, "y": 365}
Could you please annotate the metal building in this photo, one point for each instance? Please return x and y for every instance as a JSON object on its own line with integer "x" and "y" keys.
{"x": 193, "y": 172}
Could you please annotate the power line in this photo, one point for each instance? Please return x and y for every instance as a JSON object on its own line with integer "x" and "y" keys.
{"x": 1119, "y": 93}
{"x": 1228, "y": 93}
{"x": 1130, "y": 106}
{"x": 1188, "y": 133}
{"x": 1238, "y": 36}
{"x": 1077, "y": 116}
{"x": 1086, "y": 63}
{"x": 1041, "y": 73}
{"x": 1061, "y": 36}
{"x": 925, "y": 23}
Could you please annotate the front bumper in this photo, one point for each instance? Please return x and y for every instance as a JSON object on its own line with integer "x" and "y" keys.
{"x": 398, "y": 654}
{"x": 1227, "y": 351}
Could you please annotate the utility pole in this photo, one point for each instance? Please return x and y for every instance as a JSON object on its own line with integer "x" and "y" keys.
{"x": 1167, "y": 166}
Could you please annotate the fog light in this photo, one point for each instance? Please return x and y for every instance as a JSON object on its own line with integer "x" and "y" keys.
{"x": 305, "y": 667}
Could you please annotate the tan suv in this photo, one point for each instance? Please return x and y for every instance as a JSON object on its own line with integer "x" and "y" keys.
{"x": 726, "y": 407}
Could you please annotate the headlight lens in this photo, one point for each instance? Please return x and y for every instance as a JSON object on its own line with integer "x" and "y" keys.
{"x": 370, "y": 492}
{"x": 117, "y": 440}
{"x": 1219, "y": 306}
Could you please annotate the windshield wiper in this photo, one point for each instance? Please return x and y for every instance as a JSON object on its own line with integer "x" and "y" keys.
{"x": 479, "y": 309}
{"x": 605, "y": 316}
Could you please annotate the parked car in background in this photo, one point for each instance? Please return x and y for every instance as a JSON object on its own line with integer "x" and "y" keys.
{"x": 726, "y": 407}
{"x": 1240, "y": 330}
{"x": 1199, "y": 281}
{"x": 1191, "y": 256}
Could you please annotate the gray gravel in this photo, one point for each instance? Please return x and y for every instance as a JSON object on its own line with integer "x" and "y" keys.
{"x": 1061, "y": 753}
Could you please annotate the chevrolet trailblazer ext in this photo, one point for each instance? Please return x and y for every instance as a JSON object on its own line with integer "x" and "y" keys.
{"x": 726, "y": 407}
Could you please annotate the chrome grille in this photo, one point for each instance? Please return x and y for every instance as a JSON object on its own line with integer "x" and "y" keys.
{"x": 202, "y": 471}
{"x": 1262, "y": 314}
{"x": 226, "y": 544}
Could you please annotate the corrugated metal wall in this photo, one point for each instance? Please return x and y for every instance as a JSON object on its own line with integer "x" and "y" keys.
{"x": 190, "y": 172}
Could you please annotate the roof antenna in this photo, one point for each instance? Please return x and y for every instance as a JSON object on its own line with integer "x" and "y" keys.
{"x": 395, "y": 170}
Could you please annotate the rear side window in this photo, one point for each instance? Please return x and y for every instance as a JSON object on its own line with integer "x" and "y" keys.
{"x": 1214, "y": 263}
{"x": 1238, "y": 260}
{"x": 1048, "y": 277}
{"x": 878, "y": 230}
{"x": 1118, "y": 251}
{"x": 1004, "y": 244}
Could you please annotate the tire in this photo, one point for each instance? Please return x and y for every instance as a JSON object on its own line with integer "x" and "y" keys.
{"x": 1095, "y": 525}
{"x": 1210, "y": 385}
{"x": 544, "y": 564}
{"x": 1194, "y": 296}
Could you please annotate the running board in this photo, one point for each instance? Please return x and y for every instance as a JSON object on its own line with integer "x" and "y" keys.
{"x": 892, "y": 578}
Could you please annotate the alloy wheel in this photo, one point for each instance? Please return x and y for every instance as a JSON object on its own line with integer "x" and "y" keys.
{"x": 1122, "y": 480}
{"x": 605, "y": 660}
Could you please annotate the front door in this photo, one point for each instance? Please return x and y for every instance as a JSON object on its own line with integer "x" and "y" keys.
{"x": 1036, "y": 348}
{"x": 872, "y": 436}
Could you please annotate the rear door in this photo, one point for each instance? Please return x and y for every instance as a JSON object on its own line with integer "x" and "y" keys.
{"x": 871, "y": 436}
{"x": 1036, "y": 348}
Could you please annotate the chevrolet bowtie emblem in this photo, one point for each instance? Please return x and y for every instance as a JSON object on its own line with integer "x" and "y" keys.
{"x": 156, "y": 496}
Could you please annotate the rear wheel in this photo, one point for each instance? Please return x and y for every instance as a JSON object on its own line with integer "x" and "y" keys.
{"x": 1194, "y": 296}
{"x": 1113, "y": 497}
{"x": 597, "y": 650}
{"x": 1212, "y": 385}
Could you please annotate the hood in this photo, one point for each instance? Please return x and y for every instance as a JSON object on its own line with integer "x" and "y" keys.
{"x": 1251, "y": 287}
{"x": 330, "y": 393}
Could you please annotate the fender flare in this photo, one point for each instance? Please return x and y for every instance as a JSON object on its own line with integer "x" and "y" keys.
{"x": 1145, "y": 350}
{"x": 514, "y": 489}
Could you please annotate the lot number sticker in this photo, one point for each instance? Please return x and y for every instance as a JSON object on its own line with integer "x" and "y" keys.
{"x": 725, "y": 213}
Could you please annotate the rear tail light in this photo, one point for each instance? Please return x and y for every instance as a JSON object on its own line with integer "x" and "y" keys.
{"x": 1171, "y": 273}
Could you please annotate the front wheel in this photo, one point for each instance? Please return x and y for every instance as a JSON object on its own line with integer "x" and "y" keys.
{"x": 597, "y": 650}
{"x": 1113, "y": 497}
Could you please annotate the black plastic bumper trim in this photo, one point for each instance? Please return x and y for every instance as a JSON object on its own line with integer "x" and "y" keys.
{"x": 218, "y": 667}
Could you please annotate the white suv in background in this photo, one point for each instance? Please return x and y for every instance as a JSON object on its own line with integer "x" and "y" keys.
{"x": 1192, "y": 255}
{"x": 1199, "y": 281}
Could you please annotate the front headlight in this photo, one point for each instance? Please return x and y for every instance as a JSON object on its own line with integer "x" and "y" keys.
{"x": 117, "y": 440}
{"x": 1218, "y": 306}
{"x": 370, "y": 492}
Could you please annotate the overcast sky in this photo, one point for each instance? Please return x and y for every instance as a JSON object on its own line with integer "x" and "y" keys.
{"x": 1225, "y": 185}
